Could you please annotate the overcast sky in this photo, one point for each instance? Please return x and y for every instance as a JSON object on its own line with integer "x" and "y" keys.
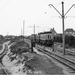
{"x": 14, "y": 12}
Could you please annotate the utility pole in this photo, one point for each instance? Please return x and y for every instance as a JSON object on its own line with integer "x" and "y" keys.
{"x": 63, "y": 16}
{"x": 33, "y": 39}
{"x": 34, "y": 36}
{"x": 34, "y": 32}
{"x": 34, "y": 28}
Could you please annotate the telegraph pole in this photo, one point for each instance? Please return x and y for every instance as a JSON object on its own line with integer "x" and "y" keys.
{"x": 33, "y": 39}
{"x": 34, "y": 36}
{"x": 63, "y": 16}
{"x": 34, "y": 28}
{"x": 34, "y": 32}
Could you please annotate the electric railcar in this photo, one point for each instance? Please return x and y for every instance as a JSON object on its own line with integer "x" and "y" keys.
{"x": 45, "y": 38}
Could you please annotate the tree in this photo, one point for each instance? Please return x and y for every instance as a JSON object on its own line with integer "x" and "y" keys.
{"x": 71, "y": 40}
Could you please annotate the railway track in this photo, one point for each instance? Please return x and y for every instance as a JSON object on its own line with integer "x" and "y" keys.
{"x": 70, "y": 64}
{"x": 67, "y": 51}
{"x": 3, "y": 72}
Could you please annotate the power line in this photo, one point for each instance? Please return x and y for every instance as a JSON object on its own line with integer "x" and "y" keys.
{"x": 4, "y": 5}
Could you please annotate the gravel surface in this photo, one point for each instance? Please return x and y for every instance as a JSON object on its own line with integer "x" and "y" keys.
{"x": 43, "y": 64}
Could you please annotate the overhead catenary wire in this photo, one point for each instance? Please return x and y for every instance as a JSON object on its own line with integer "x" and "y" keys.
{"x": 4, "y": 5}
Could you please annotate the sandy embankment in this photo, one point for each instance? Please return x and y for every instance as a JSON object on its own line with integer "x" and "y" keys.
{"x": 34, "y": 64}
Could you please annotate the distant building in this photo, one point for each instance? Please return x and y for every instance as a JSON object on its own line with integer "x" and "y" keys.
{"x": 54, "y": 33}
{"x": 69, "y": 31}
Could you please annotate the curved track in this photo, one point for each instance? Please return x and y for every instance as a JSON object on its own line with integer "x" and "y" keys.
{"x": 4, "y": 50}
{"x": 3, "y": 70}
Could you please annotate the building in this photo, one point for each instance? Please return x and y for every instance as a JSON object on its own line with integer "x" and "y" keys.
{"x": 69, "y": 31}
{"x": 54, "y": 33}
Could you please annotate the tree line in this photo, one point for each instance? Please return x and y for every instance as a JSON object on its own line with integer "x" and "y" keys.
{"x": 69, "y": 39}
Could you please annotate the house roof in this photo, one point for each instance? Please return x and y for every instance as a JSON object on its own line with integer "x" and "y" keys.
{"x": 69, "y": 30}
{"x": 53, "y": 30}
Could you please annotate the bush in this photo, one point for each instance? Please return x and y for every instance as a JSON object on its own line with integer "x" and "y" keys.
{"x": 69, "y": 40}
{"x": 20, "y": 47}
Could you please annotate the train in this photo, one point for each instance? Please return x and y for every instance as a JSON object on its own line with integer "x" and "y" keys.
{"x": 45, "y": 38}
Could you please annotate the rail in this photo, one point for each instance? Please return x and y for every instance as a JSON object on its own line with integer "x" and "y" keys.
{"x": 68, "y": 62}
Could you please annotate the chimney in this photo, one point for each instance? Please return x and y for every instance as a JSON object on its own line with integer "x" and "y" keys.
{"x": 53, "y": 28}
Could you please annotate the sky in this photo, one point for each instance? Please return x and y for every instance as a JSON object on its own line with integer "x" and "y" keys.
{"x": 34, "y": 12}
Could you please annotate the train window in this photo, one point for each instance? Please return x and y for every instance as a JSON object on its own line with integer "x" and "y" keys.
{"x": 48, "y": 36}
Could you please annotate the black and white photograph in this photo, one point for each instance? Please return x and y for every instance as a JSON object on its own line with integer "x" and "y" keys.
{"x": 37, "y": 37}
